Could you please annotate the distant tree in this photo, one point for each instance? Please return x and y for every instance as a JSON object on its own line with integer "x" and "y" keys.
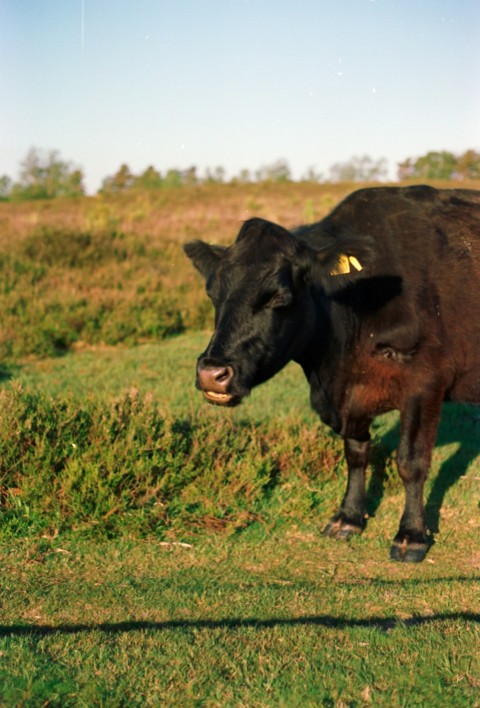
{"x": 359, "y": 169}
{"x": 5, "y": 187}
{"x": 75, "y": 186}
{"x": 121, "y": 181}
{"x": 173, "y": 178}
{"x": 442, "y": 165}
{"x": 243, "y": 177}
{"x": 189, "y": 176}
{"x": 311, "y": 175}
{"x": 406, "y": 169}
{"x": 435, "y": 165}
{"x": 220, "y": 174}
{"x": 149, "y": 179}
{"x": 216, "y": 176}
{"x": 46, "y": 176}
{"x": 209, "y": 177}
{"x": 278, "y": 171}
{"x": 468, "y": 165}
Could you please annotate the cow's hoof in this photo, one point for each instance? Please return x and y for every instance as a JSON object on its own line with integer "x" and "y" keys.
{"x": 408, "y": 552}
{"x": 341, "y": 529}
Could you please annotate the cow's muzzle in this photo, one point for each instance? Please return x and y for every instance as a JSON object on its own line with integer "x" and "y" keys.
{"x": 214, "y": 382}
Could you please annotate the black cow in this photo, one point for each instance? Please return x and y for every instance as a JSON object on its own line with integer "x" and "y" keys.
{"x": 379, "y": 303}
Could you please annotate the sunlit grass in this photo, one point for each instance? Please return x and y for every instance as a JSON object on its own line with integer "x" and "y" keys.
{"x": 110, "y": 432}
{"x": 288, "y": 620}
{"x": 158, "y": 550}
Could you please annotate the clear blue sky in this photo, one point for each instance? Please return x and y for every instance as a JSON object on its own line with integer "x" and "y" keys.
{"x": 237, "y": 83}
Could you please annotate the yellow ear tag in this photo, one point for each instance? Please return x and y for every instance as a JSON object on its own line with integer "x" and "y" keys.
{"x": 344, "y": 263}
{"x": 355, "y": 263}
{"x": 342, "y": 267}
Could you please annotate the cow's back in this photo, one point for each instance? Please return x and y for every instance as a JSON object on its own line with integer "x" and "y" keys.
{"x": 429, "y": 240}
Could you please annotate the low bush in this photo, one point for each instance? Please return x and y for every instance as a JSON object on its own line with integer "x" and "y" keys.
{"x": 126, "y": 467}
{"x": 61, "y": 288}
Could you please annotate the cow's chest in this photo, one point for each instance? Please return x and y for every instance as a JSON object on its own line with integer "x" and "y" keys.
{"x": 349, "y": 392}
{"x": 370, "y": 386}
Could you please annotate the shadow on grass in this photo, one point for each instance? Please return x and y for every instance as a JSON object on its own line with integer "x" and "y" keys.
{"x": 385, "y": 624}
{"x": 460, "y": 423}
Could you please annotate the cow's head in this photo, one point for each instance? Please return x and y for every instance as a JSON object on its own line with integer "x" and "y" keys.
{"x": 265, "y": 312}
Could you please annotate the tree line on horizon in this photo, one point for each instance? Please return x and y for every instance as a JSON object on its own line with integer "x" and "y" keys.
{"x": 45, "y": 175}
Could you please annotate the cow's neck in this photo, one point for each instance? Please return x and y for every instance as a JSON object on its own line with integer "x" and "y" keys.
{"x": 327, "y": 359}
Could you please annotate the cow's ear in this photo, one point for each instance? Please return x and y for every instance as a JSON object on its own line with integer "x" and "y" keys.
{"x": 204, "y": 256}
{"x": 335, "y": 263}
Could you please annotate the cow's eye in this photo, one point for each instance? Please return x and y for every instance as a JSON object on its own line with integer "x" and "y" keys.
{"x": 279, "y": 298}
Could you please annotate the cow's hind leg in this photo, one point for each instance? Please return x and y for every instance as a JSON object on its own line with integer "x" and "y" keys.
{"x": 350, "y": 518}
{"x": 418, "y": 427}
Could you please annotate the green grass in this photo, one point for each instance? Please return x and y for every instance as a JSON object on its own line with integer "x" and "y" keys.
{"x": 261, "y": 620}
{"x": 166, "y": 370}
{"x": 143, "y": 453}
{"x": 175, "y": 555}
{"x": 118, "y": 441}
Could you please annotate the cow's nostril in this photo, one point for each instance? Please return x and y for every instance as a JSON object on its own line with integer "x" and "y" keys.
{"x": 215, "y": 378}
{"x": 224, "y": 375}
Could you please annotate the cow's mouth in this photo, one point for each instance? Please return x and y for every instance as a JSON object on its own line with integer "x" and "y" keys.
{"x": 221, "y": 399}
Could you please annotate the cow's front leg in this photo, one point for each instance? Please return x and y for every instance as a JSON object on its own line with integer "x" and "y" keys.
{"x": 418, "y": 427}
{"x": 350, "y": 518}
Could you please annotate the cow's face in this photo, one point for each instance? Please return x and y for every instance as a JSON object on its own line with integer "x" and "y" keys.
{"x": 261, "y": 310}
{"x": 264, "y": 310}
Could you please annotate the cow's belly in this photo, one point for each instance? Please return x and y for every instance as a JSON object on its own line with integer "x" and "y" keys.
{"x": 466, "y": 389}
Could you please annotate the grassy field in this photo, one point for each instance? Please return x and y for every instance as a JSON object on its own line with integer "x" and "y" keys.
{"x": 210, "y": 582}
{"x": 259, "y": 620}
{"x": 159, "y": 551}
